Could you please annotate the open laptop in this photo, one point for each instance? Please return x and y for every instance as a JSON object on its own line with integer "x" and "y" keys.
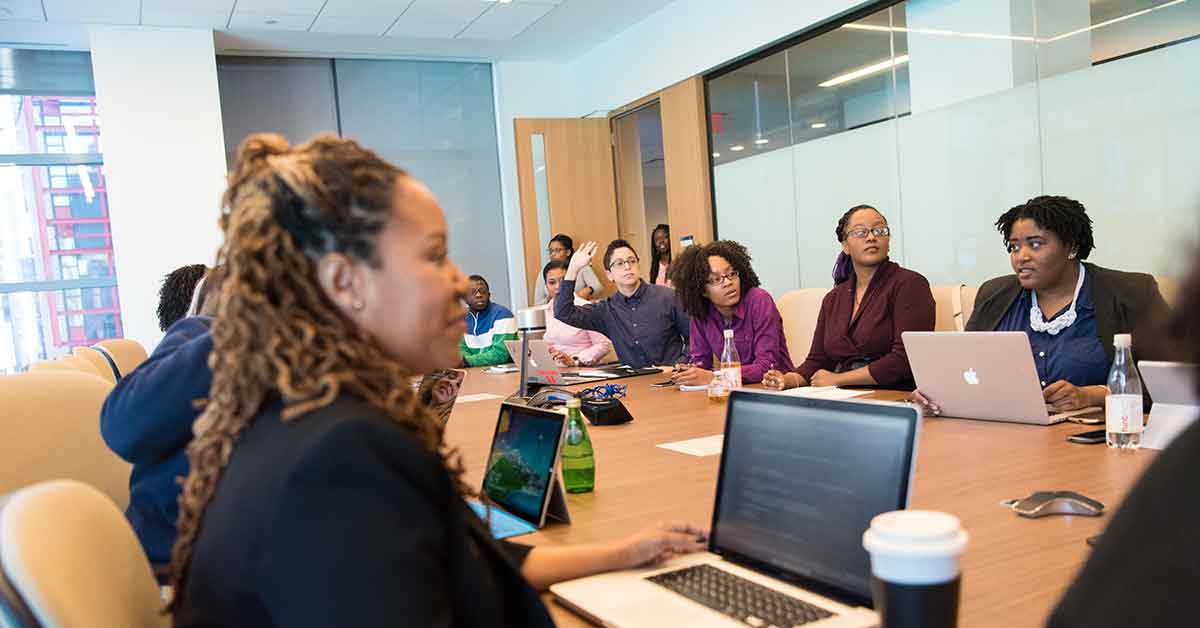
{"x": 1172, "y": 386}
{"x": 522, "y": 479}
{"x": 799, "y": 482}
{"x": 543, "y": 369}
{"x": 988, "y": 375}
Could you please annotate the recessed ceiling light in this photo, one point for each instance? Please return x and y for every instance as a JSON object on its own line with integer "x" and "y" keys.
{"x": 736, "y": 147}
{"x": 716, "y": 155}
{"x": 818, "y": 125}
{"x": 762, "y": 140}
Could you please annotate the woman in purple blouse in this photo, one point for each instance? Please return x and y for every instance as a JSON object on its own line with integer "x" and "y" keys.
{"x": 719, "y": 290}
{"x": 874, "y": 300}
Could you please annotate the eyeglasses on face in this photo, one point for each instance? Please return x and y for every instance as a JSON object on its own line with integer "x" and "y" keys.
{"x": 555, "y": 250}
{"x": 878, "y": 232}
{"x": 624, "y": 263}
{"x": 716, "y": 280}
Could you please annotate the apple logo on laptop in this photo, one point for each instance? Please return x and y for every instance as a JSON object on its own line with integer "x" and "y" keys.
{"x": 971, "y": 377}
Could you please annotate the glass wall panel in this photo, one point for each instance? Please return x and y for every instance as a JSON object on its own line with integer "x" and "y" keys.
{"x": 437, "y": 120}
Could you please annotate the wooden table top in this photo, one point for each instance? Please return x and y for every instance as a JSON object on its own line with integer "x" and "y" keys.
{"x": 1014, "y": 569}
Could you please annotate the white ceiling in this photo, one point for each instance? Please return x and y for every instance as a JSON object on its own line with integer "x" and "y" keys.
{"x": 548, "y": 30}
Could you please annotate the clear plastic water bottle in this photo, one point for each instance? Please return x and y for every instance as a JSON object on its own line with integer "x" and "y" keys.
{"x": 731, "y": 363}
{"x": 578, "y": 458}
{"x": 1123, "y": 405}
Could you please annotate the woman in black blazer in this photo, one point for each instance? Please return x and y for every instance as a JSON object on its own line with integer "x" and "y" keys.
{"x": 320, "y": 492}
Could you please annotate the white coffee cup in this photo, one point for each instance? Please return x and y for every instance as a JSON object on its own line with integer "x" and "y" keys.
{"x": 915, "y": 567}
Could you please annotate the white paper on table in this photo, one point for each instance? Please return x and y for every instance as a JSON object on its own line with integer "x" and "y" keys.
{"x": 825, "y": 392}
{"x": 594, "y": 373}
{"x": 703, "y": 446}
{"x": 477, "y": 397}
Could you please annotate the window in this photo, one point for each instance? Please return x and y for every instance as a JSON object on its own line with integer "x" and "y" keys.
{"x": 58, "y": 286}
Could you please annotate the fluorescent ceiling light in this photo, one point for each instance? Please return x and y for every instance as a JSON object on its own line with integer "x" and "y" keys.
{"x": 818, "y": 125}
{"x": 1112, "y": 21}
{"x": 874, "y": 68}
{"x": 762, "y": 140}
{"x": 737, "y": 147}
{"x": 935, "y": 31}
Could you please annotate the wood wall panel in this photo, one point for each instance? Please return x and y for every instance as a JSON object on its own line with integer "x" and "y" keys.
{"x": 631, "y": 197}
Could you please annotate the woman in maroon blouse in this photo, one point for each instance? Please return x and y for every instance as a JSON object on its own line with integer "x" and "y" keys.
{"x": 874, "y": 300}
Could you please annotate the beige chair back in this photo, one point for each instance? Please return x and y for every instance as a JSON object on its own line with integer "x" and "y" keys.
{"x": 127, "y": 353}
{"x": 1169, "y": 288}
{"x": 799, "y": 310}
{"x": 97, "y": 361}
{"x": 968, "y": 302}
{"x": 71, "y": 559}
{"x": 70, "y": 363}
{"x": 948, "y": 303}
{"x": 50, "y": 427}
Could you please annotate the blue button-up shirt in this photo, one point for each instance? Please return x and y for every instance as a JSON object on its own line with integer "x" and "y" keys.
{"x": 646, "y": 329}
{"x": 1075, "y": 354}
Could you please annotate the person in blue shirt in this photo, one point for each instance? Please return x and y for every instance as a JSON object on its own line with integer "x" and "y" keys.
{"x": 489, "y": 325}
{"x": 147, "y": 420}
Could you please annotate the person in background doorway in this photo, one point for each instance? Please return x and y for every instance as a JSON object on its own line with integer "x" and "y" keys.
{"x": 874, "y": 300}
{"x": 645, "y": 322}
{"x": 489, "y": 325}
{"x": 719, "y": 290}
{"x": 660, "y": 256}
{"x": 570, "y": 346}
{"x": 587, "y": 284}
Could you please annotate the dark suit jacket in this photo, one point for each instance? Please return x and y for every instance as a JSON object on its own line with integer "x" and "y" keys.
{"x": 1125, "y": 303}
{"x": 341, "y": 518}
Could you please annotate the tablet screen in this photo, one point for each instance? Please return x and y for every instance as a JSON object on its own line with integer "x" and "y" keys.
{"x": 520, "y": 467}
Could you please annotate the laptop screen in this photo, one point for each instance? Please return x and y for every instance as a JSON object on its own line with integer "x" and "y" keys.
{"x": 801, "y": 479}
{"x": 521, "y": 465}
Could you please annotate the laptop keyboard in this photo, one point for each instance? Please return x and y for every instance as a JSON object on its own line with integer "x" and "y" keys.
{"x": 746, "y": 601}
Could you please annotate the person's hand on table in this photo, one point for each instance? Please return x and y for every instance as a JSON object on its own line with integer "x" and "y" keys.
{"x": 927, "y": 405}
{"x": 777, "y": 380}
{"x": 691, "y": 375}
{"x": 658, "y": 543}
{"x": 824, "y": 378}
{"x": 1063, "y": 396}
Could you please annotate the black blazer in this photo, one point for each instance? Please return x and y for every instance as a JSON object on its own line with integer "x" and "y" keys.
{"x": 1125, "y": 303}
{"x": 341, "y": 518}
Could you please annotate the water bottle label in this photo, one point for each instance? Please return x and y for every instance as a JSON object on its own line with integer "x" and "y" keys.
{"x": 732, "y": 377}
{"x": 1123, "y": 414}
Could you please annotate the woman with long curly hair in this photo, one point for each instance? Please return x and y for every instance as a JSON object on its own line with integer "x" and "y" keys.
{"x": 320, "y": 491}
{"x": 719, "y": 290}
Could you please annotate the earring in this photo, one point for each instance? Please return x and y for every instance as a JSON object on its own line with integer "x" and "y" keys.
{"x": 1070, "y": 256}
{"x": 358, "y": 305}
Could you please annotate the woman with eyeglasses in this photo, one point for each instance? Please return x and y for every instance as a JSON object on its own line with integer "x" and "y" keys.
{"x": 873, "y": 301}
{"x": 719, "y": 290}
{"x": 1069, "y": 308}
{"x": 587, "y": 284}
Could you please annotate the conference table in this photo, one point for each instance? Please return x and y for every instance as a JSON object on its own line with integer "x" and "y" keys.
{"x": 1014, "y": 569}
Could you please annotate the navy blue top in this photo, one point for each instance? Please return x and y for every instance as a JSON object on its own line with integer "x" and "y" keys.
{"x": 648, "y": 328}
{"x": 147, "y": 420}
{"x": 1075, "y": 354}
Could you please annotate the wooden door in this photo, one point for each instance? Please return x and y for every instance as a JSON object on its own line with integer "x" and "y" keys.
{"x": 580, "y": 184}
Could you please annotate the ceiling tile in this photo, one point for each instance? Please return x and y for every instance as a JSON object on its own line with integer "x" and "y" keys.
{"x": 185, "y": 18}
{"x": 21, "y": 10}
{"x": 249, "y": 20}
{"x": 204, "y": 6}
{"x": 388, "y": 9}
{"x": 441, "y": 19}
{"x": 90, "y": 11}
{"x": 283, "y": 7}
{"x": 506, "y": 21}
{"x": 346, "y": 25}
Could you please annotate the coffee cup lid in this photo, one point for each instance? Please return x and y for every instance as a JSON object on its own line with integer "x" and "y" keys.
{"x": 915, "y": 532}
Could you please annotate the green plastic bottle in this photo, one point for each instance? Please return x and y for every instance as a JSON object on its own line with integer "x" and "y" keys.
{"x": 578, "y": 459}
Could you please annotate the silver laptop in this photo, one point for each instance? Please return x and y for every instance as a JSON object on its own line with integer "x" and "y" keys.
{"x": 800, "y": 479}
{"x": 988, "y": 375}
{"x": 1171, "y": 383}
{"x": 543, "y": 369}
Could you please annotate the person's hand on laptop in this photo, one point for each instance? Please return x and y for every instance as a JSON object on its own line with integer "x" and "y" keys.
{"x": 658, "y": 543}
{"x": 560, "y": 357}
{"x": 1063, "y": 396}
{"x": 927, "y": 405}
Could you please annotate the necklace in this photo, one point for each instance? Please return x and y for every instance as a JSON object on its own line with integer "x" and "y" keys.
{"x": 1038, "y": 322}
